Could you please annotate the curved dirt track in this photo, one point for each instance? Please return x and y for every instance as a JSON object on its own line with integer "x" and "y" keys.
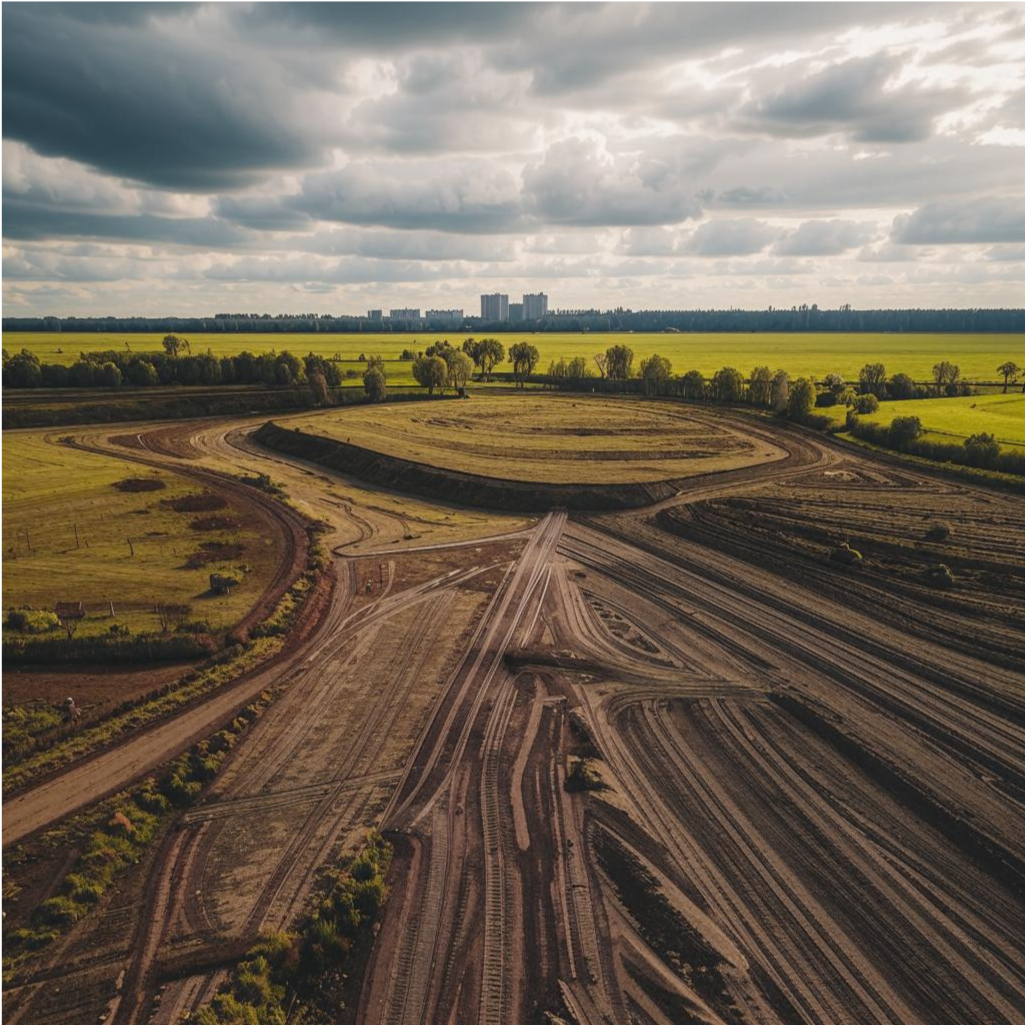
{"x": 814, "y": 777}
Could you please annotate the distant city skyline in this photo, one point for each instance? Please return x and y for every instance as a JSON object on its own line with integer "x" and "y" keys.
{"x": 191, "y": 158}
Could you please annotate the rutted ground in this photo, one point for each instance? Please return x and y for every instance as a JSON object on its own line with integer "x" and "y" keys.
{"x": 813, "y": 776}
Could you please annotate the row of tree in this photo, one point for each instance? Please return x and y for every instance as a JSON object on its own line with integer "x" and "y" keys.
{"x": 806, "y": 317}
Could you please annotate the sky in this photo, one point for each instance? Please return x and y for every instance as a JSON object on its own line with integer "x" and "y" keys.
{"x": 180, "y": 159}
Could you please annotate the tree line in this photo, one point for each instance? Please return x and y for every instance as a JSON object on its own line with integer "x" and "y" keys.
{"x": 793, "y": 319}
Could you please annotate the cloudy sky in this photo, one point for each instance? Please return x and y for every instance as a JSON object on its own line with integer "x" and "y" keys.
{"x": 191, "y": 159}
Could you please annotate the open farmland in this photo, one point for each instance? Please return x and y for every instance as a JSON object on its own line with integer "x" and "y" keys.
{"x": 528, "y": 437}
{"x": 664, "y": 765}
{"x": 800, "y": 354}
{"x": 955, "y": 419}
{"x": 80, "y": 526}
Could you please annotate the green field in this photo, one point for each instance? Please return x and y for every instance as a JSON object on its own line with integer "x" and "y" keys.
{"x": 1003, "y": 416}
{"x": 50, "y": 489}
{"x": 549, "y": 438}
{"x": 798, "y": 354}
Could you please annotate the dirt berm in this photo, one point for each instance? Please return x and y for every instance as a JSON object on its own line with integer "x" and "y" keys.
{"x": 454, "y": 486}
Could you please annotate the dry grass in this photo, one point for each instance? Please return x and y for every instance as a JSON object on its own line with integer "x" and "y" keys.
{"x": 545, "y": 438}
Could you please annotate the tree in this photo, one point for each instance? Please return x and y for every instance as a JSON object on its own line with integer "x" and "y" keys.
{"x": 982, "y": 450}
{"x": 460, "y": 368}
{"x": 656, "y": 371}
{"x": 781, "y": 392}
{"x": 872, "y": 378}
{"x": 946, "y": 375}
{"x": 903, "y": 431}
{"x": 490, "y": 352}
{"x": 430, "y": 372}
{"x": 759, "y": 391}
{"x": 601, "y": 361}
{"x": 472, "y": 349}
{"x": 619, "y": 361}
{"x": 801, "y": 400}
{"x": 82, "y": 374}
{"x": 902, "y": 386}
{"x": 375, "y": 384}
{"x": 1009, "y": 371}
{"x": 524, "y": 358}
{"x": 577, "y": 369}
{"x": 288, "y": 369}
{"x": 110, "y": 376}
{"x": 866, "y": 403}
{"x": 835, "y": 385}
{"x": 22, "y": 370}
{"x": 141, "y": 373}
{"x": 727, "y": 385}
{"x": 692, "y": 385}
{"x": 175, "y": 345}
{"x": 317, "y": 383}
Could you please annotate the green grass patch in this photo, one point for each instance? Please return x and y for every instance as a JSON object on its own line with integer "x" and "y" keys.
{"x": 309, "y": 975}
{"x": 954, "y": 419}
{"x": 800, "y": 354}
{"x": 81, "y": 527}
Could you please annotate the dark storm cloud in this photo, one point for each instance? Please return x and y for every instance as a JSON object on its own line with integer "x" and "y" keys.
{"x": 115, "y": 93}
{"x": 315, "y": 146}
{"x": 202, "y": 232}
{"x": 384, "y": 26}
{"x": 855, "y": 97}
{"x": 575, "y": 47}
{"x": 974, "y": 221}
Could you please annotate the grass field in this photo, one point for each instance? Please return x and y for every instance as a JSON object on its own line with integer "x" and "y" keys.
{"x": 49, "y": 489}
{"x": 548, "y": 438}
{"x": 1003, "y": 416}
{"x": 798, "y": 354}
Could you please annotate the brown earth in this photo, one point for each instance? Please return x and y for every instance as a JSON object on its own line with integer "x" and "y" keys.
{"x": 813, "y": 776}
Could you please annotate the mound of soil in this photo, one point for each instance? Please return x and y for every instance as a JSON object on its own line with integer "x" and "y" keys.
{"x": 133, "y": 484}
{"x": 207, "y": 523}
{"x": 455, "y": 486}
{"x": 212, "y": 551}
{"x": 201, "y": 501}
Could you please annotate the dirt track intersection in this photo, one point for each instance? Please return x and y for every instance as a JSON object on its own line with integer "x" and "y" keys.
{"x": 812, "y": 776}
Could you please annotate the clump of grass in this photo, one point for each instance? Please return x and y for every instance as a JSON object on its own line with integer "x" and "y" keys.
{"x": 845, "y": 555}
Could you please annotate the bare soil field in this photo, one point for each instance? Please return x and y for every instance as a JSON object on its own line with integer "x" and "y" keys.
{"x": 665, "y": 765}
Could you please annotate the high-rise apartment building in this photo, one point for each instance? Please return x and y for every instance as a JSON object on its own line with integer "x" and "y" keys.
{"x": 404, "y": 314}
{"x": 535, "y": 306}
{"x": 446, "y": 316}
{"x": 494, "y": 307}
{"x": 516, "y": 311}
{"x": 375, "y": 314}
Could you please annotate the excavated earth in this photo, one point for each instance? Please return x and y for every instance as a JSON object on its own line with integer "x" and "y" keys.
{"x": 672, "y": 764}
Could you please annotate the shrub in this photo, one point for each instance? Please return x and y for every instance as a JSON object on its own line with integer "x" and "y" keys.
{"x": 866, "y": 403}
{"x": 801, "y": 400}
{"x": 938, "y": 532}
{"x": 845, "y": 555}
{"x": 61, "y": 911}
{"x": 903, "y": 431}
{"x": 938, "y": 576}
{"x": 982, "y": 450}
{"x": 31, "y": 621}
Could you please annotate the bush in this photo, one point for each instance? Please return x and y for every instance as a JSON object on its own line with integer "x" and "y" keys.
{"x": 845, "y": 555}
{"x": 938, "y": 532}
{"x": 866, "y": 404}
{"x": 903, "y": 431}
{"x": 61, "y": 911}
{"x": 982, "y": 450}
{"x": 938, "y": 576}
{"x": 31, "y": 621}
